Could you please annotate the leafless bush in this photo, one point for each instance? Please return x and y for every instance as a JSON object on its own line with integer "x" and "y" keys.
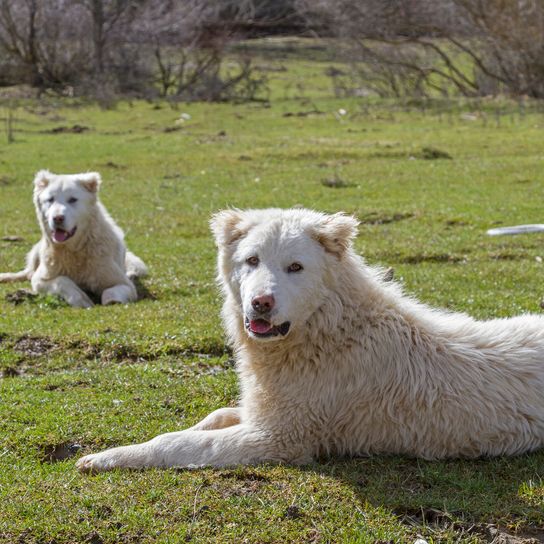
{"x": 468, "y": 47}
{"x": 207, "y": 75}
{"x": 105, "y": 48}
{"x": 43, "y": 40}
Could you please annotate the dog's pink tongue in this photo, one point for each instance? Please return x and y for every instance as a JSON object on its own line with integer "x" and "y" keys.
{"x": 60, "y": 235}
{"x": 259, "y": 326}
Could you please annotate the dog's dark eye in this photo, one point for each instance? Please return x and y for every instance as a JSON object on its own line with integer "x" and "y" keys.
{"x": 295, "y": 267}
{"x": 252, "y": 261}
{"x": 50, "y": 200}
{"x": 72, "y": 200}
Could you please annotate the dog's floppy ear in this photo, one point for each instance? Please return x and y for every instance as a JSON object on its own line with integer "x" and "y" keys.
{"x": 336, "y": 232}
{"x": 42, "y": 179}
{"x": 226, "y": 226}
{"x": 91, "y": 181}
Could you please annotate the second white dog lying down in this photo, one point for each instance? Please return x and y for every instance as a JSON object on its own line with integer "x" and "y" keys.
{"x": 334, "y": 360}
{"x": 81, "y": 249}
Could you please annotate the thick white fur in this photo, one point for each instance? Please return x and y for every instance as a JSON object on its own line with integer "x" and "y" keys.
{"x": 364, "y": 369}
{"x": 93, "y": 260}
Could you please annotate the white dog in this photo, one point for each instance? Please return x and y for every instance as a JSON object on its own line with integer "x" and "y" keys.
{"x": 81, "y": 249}
{"x": 334, "y": 360}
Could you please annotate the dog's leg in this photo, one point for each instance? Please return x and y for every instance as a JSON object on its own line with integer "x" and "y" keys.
{"x": 63, "y": 287}
{"x": 224, "y": 417}
{"x": 134, "y": 266}
{"x": 119, "y": 294}
{"x": 236, "y": 445}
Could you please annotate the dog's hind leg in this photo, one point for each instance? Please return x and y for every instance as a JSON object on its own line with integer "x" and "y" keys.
{"x": 224, "y": 417}
{"x": 135, "y": 267}
{"x": 119, "y": 294}
{"x": 63, "y": 287}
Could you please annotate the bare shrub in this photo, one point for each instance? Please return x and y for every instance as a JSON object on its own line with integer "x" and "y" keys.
{"x": 44, "y": 40}
{"x": 418, "y": 47}
{"x": 192, "y": 58}
{"x": 138, "y": 48}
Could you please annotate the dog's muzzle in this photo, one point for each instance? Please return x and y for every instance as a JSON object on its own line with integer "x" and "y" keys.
{"x": 60, "y": 235}
{"x": 262, "y": 328}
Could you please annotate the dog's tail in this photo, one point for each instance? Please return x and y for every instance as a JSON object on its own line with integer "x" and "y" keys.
{"x": 518, "y": 229}
{"x": 135, "y": 267}
{"x": 32, "y": 263}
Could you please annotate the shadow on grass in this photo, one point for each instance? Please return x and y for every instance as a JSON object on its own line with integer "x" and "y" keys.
{"x": 493, "y": 499}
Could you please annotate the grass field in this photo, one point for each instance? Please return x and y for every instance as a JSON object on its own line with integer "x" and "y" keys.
{"x": 76, "y": 381}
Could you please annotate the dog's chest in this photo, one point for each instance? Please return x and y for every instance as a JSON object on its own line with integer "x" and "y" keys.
{"x": 311, "y": 402}
{"x": 87, "y": 271}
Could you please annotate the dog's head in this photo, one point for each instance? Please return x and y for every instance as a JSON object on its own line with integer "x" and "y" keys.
{"x": 64, "y": 203}
{"x": 276, "y": 264}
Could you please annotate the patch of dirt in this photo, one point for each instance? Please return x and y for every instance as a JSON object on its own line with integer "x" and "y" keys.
{"x": 432, "y": 258}
{"x": 53, "y": 453}
{"x": 419, "y": 516}
{"x": 243, "y": 483}
{"x": 432, "y": 517}
{"x": 4, "y": 181}
{"x": 456, "y": 223}
{"x": 197, "y": 369}
{"x": 499, "y": 535}
{"x": 220, "y": 136}
{"x": 122, "y": 353}
{"x": 374, "y": 218}
{"x": 114, "y": 165}
{"x": 64, "y": 387}
{"x": 94, "y": 538}
{"x": 171, "y": 176}
{"x": 74, "y": 129}
{"x": 335, "y": 183}
{"x": 431, "y": 154}
{"x": 31, "y": 346}
{"x": 293, "y": 512}
{"x": 426, "y": 153}
{"x": 302, "y": 113}
{"x": 506, "y": 256}
{"x": 11, "y": 372}
{"x": 20, "y": 296}
{"x": 244, "y": 475}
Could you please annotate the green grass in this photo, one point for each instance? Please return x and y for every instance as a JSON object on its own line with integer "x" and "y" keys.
{"x": 114, "y": 375}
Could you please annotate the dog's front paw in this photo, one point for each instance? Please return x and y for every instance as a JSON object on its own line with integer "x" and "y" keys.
{"x": 119, "y": 294}
{"x": 80, "y": 301}
{"x": 97, "y": 462}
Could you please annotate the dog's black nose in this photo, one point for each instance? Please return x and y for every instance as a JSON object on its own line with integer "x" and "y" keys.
{"x": 58, "y": 219}
{"x": 263, "y": 304}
